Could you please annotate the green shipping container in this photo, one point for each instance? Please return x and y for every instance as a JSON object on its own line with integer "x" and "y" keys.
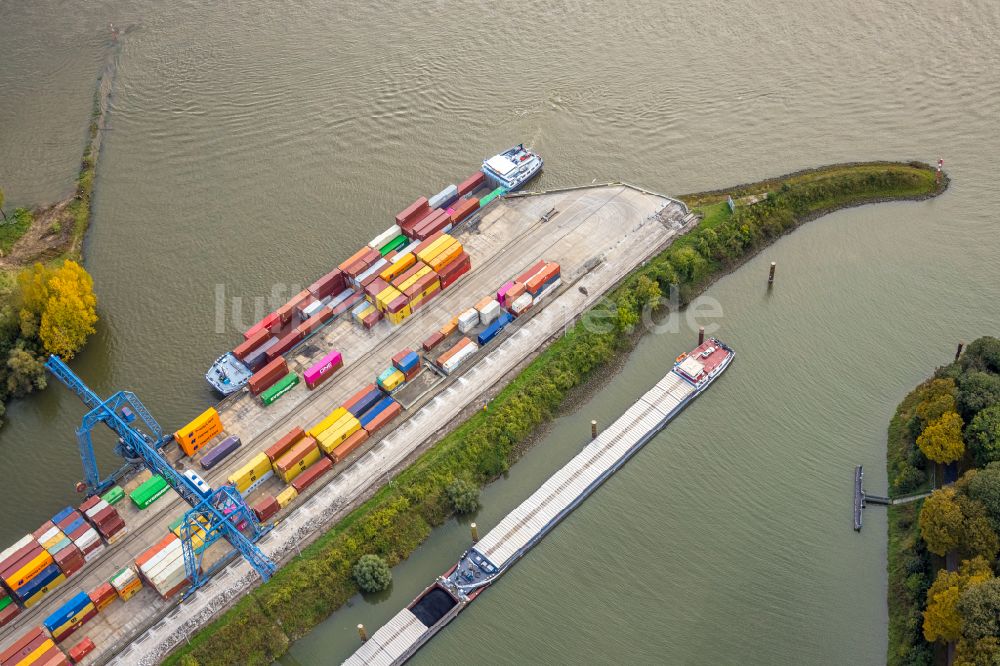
{"x": 396, "y": 243}
{"x": 6, "y": 601}
{"x": 150, "y": 491}
{"x": 114, "y": 495}
{"x": 283, "y": 386}
{"x": 491, "y": 196}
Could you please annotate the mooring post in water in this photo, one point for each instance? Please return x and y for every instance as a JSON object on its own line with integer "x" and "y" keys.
{"x": 937, "y": 175}
{"x": 475, "y": 532}
{"x": 770, "y": 276}
{"x": 593, "y": 429}
{"x": 362, "y": 633}
{"x": 961, "y": 344}
{"x": 701, "y": 335}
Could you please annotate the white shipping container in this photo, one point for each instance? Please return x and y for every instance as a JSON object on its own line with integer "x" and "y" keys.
{"x": 521, "y": 303}
{"x": 21, "y": 543}
{"x": 86, "y": 539}
{"x": 165, "y": 553}
{"x": 438, "y": 199}
{"x": 94, "y": 554}
{"x": 468, "y": 320}
{"x": 124, "y": 579}
{"x": 489, "y": 313}
{"x": 409, "y": 249}
{"x": 551, "y": 289}
{"x": 340, "y": 298}
{"x": 258, "y": 483}
{"x": 50, "y": 533}
{"x": 375, "y": 269}
{"x": 97, "y": 508}
{"x": 384, "y": 237}
{"x": 460, "y": 356}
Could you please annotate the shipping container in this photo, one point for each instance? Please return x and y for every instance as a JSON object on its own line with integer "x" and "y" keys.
{"x": 221, "y": 451}
{"x": 330, "y": 419}
{"x": 286, "y": 496}
{"x": 257, "y": 359}
{"x": 199, "y": 432}
{"x": 384, "y": 237}
{"x": 406, "y": 360}
{"x": 444, "y": 198}
{"x": 81, "y": 650}
{"x": 413, "y": 212}
{"x": 491, "y": 196}
{"x": 463, "y": 209}
{"x": 427, "y": 253}
{"x": 472, "y": 183}
{"x": 468, "y": 320}
{"x": 286, "y": 311}
{"x": 266, "y": 508}
{"x": 379, "y": 415}
{"x": 253, "y": 471}
{"x": 456, "y": 269}
{"x": 370, "y": 273}
{"x": 299, "y": 457}
{"x": 315, "y": 322}
{"x": 332, "y": 283}
{"x": 313, "y": 307}
{"x": 392, "y": 380}
{"x": 371, "y": 319}
{"x": 350, "y": 300}
{"x": 9, "y": 612}
{"x": 515, "y": 292}
{"x": 149, "y": 491}
{"x": 323, "y": 369}
{"x": 393, "y": 246}
{"x": 446, "y": 256}
{"x": 432, "y": 224}
{"x": 282, "y": 446}
{"x": 102, "y": 595}
{"x": 248, "y": 345}
{"x": 489, "y": 313}
{"x": 432, "y": 341}
{"x": 67, "y": 610}
{"x": 285, "y": 344}
{"x": 349, "y": 445}
{"x": 48, "y": 579}
{"x": 399, "y": 265}
{"x": 451, "y": 359}
{"x": 413, "y": 279}
{"x": 312, "y": 475}
{"x": 26, "y": 646}
{"x": 363, "y": 400}
{"x": 280, "y": 388}
{"x": 268, "y": 375}
{"x": 263, "y": 324}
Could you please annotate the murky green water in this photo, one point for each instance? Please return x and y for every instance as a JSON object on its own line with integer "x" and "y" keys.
{"x": 257, "y": 144}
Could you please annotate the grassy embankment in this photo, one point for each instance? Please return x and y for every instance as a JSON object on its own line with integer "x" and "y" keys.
{"x": 399, "y": 517}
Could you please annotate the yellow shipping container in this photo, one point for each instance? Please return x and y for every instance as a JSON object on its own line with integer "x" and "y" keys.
{"x": 393, "y": 381}
{"x": 364, "y": 313}
{"x": 386, "y": 296}
{"x": 36, "y": 654}
{"x": 398, "y": 267}
{"x": 426, "y": 270}
{"x": 286, "y": 496}
{"x": 54, "y": 583}
{"x": 450, "y": 327}
{"x": 23, "y": 576}
{"x": 244, "y": 477}
{"x": 54, "y": 540}
{"x": 418, "y": 298}
{"x": 334, "y": 437}
{"x": 129, "y": 590}
{"x": 434, "y": 248}
{"x": 333, "y": 417}
{"x": 68, "y": 624}
{"x": 289, "y": 474}
{"x": 445, "y": 257}
{"x": 398, "y": 317}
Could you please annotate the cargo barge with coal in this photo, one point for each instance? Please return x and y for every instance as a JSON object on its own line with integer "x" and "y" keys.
{"x": 346, "y": 288}
{"x": 526, "y": 525}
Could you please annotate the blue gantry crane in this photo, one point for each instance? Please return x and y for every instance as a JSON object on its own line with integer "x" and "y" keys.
{"x": 222, "y": 514}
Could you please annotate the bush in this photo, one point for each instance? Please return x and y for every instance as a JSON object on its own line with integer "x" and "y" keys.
{"x": 372, "y": 574}
{"x": 464, "y": 496}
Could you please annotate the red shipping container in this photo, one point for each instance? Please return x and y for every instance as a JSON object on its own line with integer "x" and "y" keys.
{"x": 386, "y": 415}
{"x": 346, "y": 304}
{"x": 397, "y": 304}
{"x": 315, "y": 322}
{"x": 528, "y": 274}
{"x": 69, "y": 559}
{"x": 54, "y": 657}
{"x": 111, "y": 529}
{"x": 414, "y": 211}
{"x": 69, "y": 520}
{"x": 81, "y": 650}
{"x": 513, "y": 293}
{"x": 9, "y": 613}
{"x": 294, "y": 456}
{"x": 102, "y": 595}
{"x": 46, "y": 526}
{"x": 412, "y": 373}
{"x": 426, "y": 299}
{"x": 333, "y": 282}
{"x": 459, "y": 270}
{"x": 433, "y": 340}
{"x": 283, "y": 445}
{"x": 80, "y": 531}
{"x": 284, "y": 345}
{"x": 286, "y": 311}
{"x": 421, "y": 285}
{"x": 266, "y": 508}
{"x": 376, "y": 287}
{"x": 471, "y": 183}
{"x": 398, "y": 357}
{"x": 18, "y": 555}
{"x": 353, "y": 259}
{"x": 311, "y": 475}
{"x": 372, "y": 319}
{"x": 432, "y": 225}
{"x": 268, "y": 375}
{"x": 256, "y": 340}
{"x": 264, "y": 323}
{"x": 464, "y": 209}
{"x": 183, "y": 585}
{"x": 349, "y": 445}
{"x": 24, "y": 646}
{"x": 358, "y": 397}
{"x": 105, "y": 514}
{"x": 89, "y": 504}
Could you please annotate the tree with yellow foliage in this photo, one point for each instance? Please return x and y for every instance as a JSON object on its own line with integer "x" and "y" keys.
{"x": 942, "y": 620}
{"x": 942, "y": 521}
{"x": 60, "y": 305}
{"x": 941, "y": 440}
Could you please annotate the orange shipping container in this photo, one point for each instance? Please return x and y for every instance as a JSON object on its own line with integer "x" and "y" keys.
{"x": 446, "y": 256}
{"x": 348, "y": 446}
{"x": 282, "y": 446}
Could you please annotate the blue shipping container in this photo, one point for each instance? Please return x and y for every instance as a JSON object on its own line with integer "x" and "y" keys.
{"x": 41, "y": 579}
{"x": 408, "y": 362}
{"x": 370, "y": 415}
{"x": 494, "y": 328}
{"x": 366, "y": 403}
{"x": 216, "y": 455}
{"x": 62, "y": 514}
{"x": 66, "y": 611}
{"x": 73, "y": 526}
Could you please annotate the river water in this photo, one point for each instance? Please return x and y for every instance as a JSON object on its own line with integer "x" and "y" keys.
{"x": 252, "y": 145}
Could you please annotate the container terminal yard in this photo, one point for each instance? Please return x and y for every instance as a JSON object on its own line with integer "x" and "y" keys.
{"x": 568, "y": 247}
